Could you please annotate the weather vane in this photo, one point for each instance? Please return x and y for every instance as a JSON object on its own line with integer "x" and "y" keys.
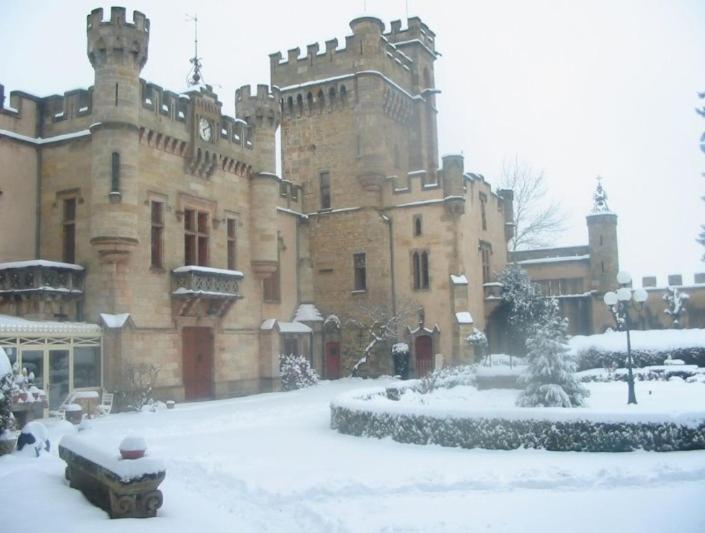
{"x": 194, "y": 77}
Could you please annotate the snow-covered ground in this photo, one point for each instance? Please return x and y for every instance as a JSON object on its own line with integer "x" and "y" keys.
{"x": 271, "y": 463}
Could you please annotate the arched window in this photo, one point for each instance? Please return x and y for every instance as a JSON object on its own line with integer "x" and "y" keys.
{"x": 321, "y": 100}
{"x": 309, "y": 102}
{"x": 331, "y": 96}
{"x": 300, "y": 104}
{"x": 290, "y": 105}
{"x": 418, "y": 225}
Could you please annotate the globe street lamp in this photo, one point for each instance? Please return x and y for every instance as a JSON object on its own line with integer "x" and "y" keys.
{"x": 619, "y": 303}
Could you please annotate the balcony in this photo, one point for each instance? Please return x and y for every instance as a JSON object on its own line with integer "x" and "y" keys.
{"x": 203, "y": 291}
{"x": 40, "y": 279}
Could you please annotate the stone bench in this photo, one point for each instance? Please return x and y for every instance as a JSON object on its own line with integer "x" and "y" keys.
{"x": 123, "y": 488}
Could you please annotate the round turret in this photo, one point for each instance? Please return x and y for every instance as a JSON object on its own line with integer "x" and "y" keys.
{"x": 262, "y": 112}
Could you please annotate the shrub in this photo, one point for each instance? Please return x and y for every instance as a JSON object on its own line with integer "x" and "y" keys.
{"x": 137, "y": 382}
{"x": 296, "y": 372}
{"x": 595, "y": 358}
{"x": 509, "y": 434}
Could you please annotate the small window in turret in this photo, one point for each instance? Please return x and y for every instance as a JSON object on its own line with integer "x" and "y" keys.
{"x": 483, "y": 210}
{"x": 418, "y": 225}
{"x": 325, "y": 190}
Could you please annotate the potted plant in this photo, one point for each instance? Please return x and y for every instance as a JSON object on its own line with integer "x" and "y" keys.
{"x": 133, "y": 447}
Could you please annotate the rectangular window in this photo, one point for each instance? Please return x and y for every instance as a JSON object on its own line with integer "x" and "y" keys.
{"x": 417, "y": 225}
{"x": 325, "y": 190}
{"x": 115, "y": 173}
{"x": 195, "y": 237}
{"x": 483, "y": 210}
{"x": 271, "y": 289}
{"x": 232, "y": 241}
{"x": 69, "y": 230}
{"x": 419, "y": 267}
{"x": 157, "y": 234}
{"x": 486, "y": 252}
{"x": 360, "y": 267}
{"x": 86, "y": 367}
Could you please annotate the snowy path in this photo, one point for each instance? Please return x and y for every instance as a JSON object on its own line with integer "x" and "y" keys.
{"x": 270, "y": 463}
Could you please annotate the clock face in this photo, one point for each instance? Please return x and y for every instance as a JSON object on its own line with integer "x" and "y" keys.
{"x": 205, "y": 130}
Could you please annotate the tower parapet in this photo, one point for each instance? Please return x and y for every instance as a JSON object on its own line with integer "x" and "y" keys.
{"x": 262, "y": 113}
{"x": 117, "y": 39}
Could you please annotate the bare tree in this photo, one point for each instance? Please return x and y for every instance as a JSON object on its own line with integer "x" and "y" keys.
{"x": 379, "y": 324}
{"x": 536, "y": 219}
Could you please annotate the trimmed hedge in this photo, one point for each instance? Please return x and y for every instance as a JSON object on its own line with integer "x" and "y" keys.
{"x": 594, "y": 358}
{"x": 504, "y": 434}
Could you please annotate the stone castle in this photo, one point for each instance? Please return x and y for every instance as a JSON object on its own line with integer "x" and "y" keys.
{"x": 144, "y": 226}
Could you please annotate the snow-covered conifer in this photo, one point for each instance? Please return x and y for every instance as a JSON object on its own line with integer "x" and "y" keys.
{"x": 675, "y": 304}
{"x": 296, "y": 372}
{"x": 550, "y": 379}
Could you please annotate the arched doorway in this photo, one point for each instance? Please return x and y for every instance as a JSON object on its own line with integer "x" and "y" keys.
{"x": 332, "y": 364}
{"x": 423, "y": 348}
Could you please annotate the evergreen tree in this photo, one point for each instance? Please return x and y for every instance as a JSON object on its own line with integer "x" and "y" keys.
{"x": 6, "y": 385}
{"x": 550, "y": 380}
{"x": 522, "y": 304}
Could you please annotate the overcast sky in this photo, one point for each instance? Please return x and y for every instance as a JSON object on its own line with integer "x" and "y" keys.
{"x": 574, "y": 88}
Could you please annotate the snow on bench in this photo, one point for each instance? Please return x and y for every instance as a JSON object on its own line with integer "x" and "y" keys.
{"x": 124, "y": 488}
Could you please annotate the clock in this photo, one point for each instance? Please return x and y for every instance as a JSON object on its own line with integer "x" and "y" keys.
{"x": 205, "y": 129}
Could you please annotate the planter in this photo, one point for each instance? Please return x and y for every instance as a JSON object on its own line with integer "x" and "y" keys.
{"x": 7, "y": 443}
{"x": 73, "y": 413}
{"x": 132, "y": 454}
{"x": 133, "y": 447}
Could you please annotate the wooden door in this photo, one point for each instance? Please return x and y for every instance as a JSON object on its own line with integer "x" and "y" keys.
{"x": 424, "y": 355}
{"x": 332, "y": 360}
{"x": 197, "y": 363}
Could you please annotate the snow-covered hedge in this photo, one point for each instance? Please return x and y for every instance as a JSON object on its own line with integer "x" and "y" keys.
{"x": 649, "y": 348}
{"x": 365, "y": 414}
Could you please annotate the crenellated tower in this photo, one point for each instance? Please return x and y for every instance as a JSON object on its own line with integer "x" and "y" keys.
{"x": 262, "y": 113}
{"x": 117, "y": 50}
{"x": 356, "y": 115}
{"x": 602, "y": 240}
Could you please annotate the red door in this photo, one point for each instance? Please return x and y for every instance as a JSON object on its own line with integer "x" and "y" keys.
{"x": 424, "y": 357}
{"x": 197, "y": 363}
{"x": 332, "y": 360}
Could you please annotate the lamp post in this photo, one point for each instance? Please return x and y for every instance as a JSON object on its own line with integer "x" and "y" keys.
{"x": 619, "y": 303}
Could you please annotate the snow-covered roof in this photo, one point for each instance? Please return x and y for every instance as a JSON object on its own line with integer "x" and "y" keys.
{"x": 294, "y": 327}
{"x": 15, "y": 325}
{"x": 564, "y": 259}
{"x": 48, "y": 140}
{"x": 114, "y": 321}
{"x": 208, "y": 270}
{"x": 307, "y": 313}
{"x": 285, "y": 327}
{"x": 40, "y": 262}
{"x": 458, "y": 279}
{"x": 464, "y": 317}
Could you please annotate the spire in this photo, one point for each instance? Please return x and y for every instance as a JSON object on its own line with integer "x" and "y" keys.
{"x": 600, "y": 199}
{"x": 195, "y": 78}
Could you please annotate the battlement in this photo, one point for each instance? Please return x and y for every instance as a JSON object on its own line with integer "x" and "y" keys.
{"x": 72, "y": 104}
{"x": 177, "y": 107}
{"x": 117, "y": 38}
{"x": 263, "y": 108}
{"x": 673, "y": 280}
{"x": 368, "y": 48}
{"x": 416, "y": 32}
